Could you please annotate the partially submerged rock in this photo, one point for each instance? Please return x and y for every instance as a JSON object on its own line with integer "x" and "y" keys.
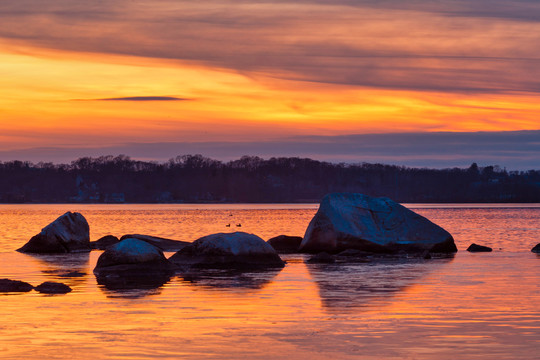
{"x": 7, "y": 285}
{"x": 67, "y": 234}
{"x": 72, "y": 274}
{"x": 322, "y": 258}
{"x": 228, "y": 250}
{"x": 104, "y": 242}
{"x": 159, "y": 242}
{"x": 132, "y": 252}
{"x": 536, "y": 248}
{"x": 285, "y": 244}
{"x": 479, "y": 248}
{"x": 380, "y": 225}
{"x": 133, "y": 263}
{"x": 51, "y": 287}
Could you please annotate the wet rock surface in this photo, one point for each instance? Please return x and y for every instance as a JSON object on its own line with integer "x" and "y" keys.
{"x": 67, "y": 234}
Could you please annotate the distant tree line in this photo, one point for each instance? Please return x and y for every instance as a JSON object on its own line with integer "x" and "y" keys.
{"x": 198, "y": 179}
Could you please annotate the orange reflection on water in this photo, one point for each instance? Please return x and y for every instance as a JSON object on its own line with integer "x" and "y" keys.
{"x": 473, "y": 305}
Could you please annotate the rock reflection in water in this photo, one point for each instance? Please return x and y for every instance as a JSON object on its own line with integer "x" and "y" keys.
{"x": 353, "y": 284}
{"x": 70, "y": 269}
{"x": 230, "y": 278}
{"x": 131, "y": 289}
{"x": 130, "y": 283}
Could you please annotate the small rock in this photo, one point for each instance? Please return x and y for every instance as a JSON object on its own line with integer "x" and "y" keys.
{"x": 7, "y": 285}
{"x": 104, "y": 242}
{"x": 478, "y": 248}
{"x": 285, "y": 244}
{"x": 159, "y": 242}
{"x": 50, "y": 287}
{"x": 536, "y": 249}
{"x": 228, "y": 250}
{"x": 322, "y": 258}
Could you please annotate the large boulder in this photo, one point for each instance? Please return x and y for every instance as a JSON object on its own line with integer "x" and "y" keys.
{"x": 380, "y": 225}
{"x": 68, "y": 234}
{"x": 159, "y": 242}
{"x": 132, "y": 263}
{"x": 285, "y": 244}
{"x": 228, "y": 250}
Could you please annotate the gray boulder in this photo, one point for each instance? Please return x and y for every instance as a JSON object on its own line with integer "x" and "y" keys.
{"x": 536, "y": 248}
{"x": 228, "y": 250}
{"x": 285, "y": 244}
{"x": 380, "y": 225}
{"x": 67, "y": 234}
{"x": 159, "y": 242}
{"x": 132, "y": 263}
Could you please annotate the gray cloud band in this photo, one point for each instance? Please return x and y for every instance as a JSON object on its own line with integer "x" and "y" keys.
{"x": 381, "y": 44}
{"x": 515, "y": 150}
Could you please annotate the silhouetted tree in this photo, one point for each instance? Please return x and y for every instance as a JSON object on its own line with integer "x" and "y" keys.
{"x": 195, "y": 178}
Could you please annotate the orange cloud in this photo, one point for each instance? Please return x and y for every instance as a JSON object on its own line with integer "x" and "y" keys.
{"x": 262, "y": 70}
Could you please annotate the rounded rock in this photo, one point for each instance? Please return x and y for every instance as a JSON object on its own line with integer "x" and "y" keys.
{"x": 50, "y": 287}
{"x": 228, "y": 250}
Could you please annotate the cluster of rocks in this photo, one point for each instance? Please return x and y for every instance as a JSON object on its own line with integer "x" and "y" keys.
{"x": 48, "y": 287}
{"x": 346, "y": 226}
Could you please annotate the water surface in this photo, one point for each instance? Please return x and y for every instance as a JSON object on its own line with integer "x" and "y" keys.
{"x": 471, "y": 306}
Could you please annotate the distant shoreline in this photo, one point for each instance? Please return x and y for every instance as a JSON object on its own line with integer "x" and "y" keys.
{"x": 195, "y": 179}
{"x": 250, "y": 206}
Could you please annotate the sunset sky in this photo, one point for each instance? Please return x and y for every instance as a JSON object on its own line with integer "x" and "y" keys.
{"x": 417, "y": 83}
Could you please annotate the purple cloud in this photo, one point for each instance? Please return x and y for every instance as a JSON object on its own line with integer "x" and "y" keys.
{"x": 515, "y": 150}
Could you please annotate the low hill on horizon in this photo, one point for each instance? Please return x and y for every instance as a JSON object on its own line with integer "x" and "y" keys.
{"x": 251, "y": 179}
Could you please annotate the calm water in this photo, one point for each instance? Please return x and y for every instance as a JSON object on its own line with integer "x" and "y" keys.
{"x": 474, "y": 306}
